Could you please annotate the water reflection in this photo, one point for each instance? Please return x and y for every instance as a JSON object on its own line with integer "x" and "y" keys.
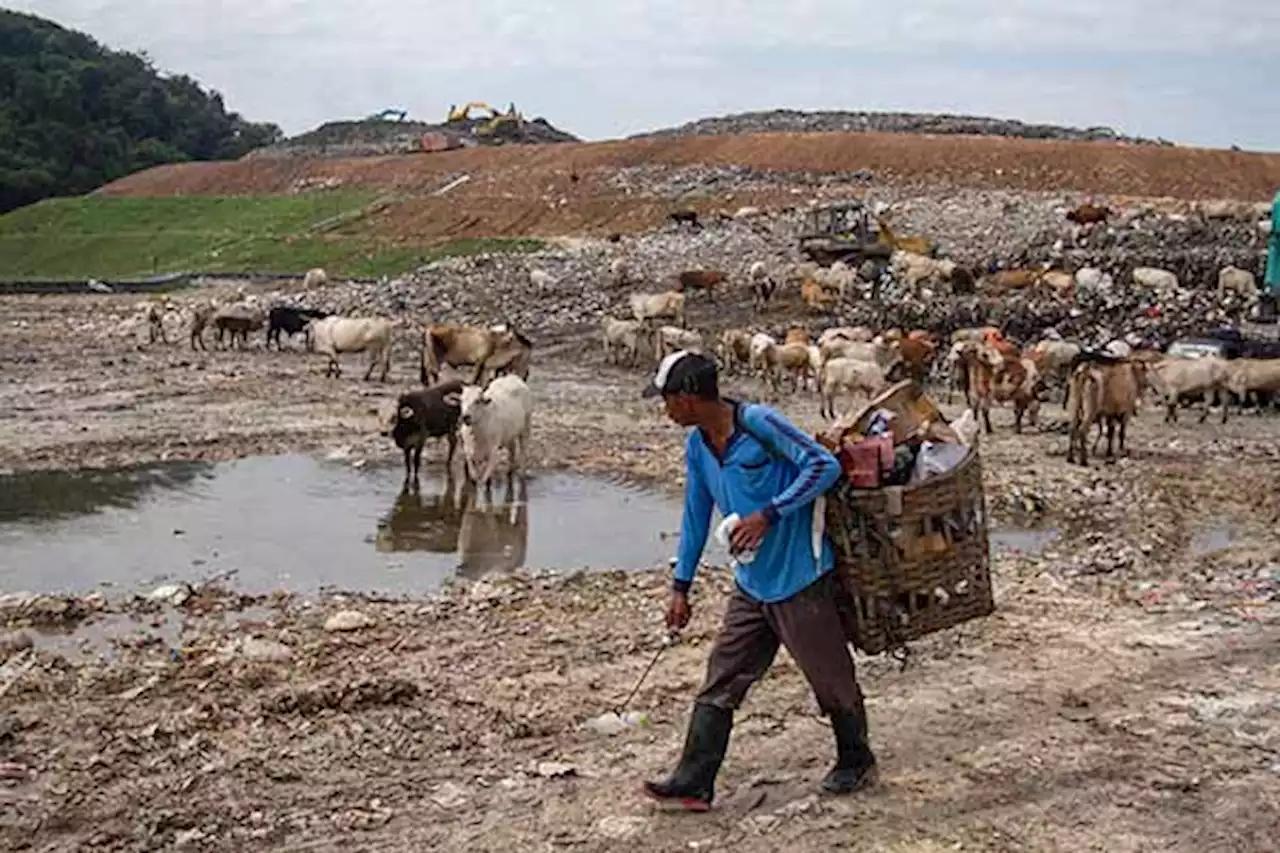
{"x": 494, "y": 537}
{"x": 52, "y": 495}
{"x": 489, "y": 536}
{"x": 415, "y": 523}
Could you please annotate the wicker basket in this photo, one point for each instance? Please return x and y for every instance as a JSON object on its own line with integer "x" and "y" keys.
{"x": 912, "y": 566}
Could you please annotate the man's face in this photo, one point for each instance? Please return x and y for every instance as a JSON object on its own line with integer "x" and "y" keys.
{"x": 681, "y": 408}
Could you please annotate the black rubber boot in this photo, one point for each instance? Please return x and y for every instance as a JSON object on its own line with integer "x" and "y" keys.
{"x": 693, "y": 783}
{"x": 855, "y": 764}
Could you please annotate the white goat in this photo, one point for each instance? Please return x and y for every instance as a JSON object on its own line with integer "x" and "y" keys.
{"x": 623, "y": 336}
{"x": 849, "y": 376}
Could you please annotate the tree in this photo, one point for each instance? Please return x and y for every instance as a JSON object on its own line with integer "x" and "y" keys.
{"x": 75, "y": 115}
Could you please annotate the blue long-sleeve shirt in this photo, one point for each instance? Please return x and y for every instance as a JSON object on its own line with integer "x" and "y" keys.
{"x": 773, "y": 467}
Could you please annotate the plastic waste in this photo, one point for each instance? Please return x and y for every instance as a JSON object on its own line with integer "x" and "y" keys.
{"x": 966, "y": 427}
{"x": 881, "y": 423}
{"x": 724, "y": 531}
{"x": 936, "y": 458}
{"x": 614, "y": 724}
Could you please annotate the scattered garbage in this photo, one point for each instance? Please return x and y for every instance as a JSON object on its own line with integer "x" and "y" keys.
{"x": 612, "y": 723}
{"x": 348, "y": 620}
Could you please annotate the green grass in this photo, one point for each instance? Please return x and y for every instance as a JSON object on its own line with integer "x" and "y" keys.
{"x": 107, "y": 238}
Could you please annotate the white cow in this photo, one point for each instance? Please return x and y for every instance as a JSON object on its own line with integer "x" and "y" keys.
{"x": 497, "y": 416}
{"x": 332, "y": 336}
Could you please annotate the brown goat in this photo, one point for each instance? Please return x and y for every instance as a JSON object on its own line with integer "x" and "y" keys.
{"x": 816, "y": 297}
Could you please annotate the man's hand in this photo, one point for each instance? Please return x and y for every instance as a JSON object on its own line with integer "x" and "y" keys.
{"x": 678, "y": 611}
{"x": 749, "y": 533}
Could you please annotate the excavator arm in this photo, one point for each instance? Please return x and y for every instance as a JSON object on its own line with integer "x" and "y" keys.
{"x": 463, "y": 113}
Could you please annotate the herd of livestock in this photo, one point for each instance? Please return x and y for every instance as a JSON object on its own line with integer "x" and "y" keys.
{"x": 1104, "y": 387}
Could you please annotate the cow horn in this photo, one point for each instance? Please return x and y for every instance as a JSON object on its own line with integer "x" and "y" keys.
{"x": 453, "y": 400}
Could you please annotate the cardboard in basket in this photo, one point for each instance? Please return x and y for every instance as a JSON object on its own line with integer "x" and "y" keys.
{"x": 915, "y": 416}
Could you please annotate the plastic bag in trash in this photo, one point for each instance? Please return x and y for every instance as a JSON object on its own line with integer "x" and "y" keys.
{"x": 936, "y": 458}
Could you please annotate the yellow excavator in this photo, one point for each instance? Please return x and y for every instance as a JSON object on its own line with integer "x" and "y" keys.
{"x": 495, "y": 124}
{"x": 463, "y": 113}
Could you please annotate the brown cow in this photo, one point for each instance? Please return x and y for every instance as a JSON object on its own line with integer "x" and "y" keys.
{"x": 701, "y": 280}
{"x": 1101, "y": 393}
{"x": 504, "y": 349}
{"x": 1088, "y": 214}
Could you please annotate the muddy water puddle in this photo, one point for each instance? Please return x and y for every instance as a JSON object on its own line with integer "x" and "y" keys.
{"x": 299, "y": 523}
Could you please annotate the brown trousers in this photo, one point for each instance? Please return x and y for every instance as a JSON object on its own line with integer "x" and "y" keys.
{"x": 808, "y": 624}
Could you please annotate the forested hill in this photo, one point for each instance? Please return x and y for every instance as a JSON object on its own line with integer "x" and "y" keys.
{"x": 75, "y": 115}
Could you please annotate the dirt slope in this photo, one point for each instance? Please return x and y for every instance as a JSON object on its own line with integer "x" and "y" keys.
{"x": 1102, "y": 168}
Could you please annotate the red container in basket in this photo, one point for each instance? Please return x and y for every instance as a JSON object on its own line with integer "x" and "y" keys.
{"x": 866, "y": 460}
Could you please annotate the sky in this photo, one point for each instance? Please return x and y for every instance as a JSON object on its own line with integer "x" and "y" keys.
{"x": 1198, "y": 72}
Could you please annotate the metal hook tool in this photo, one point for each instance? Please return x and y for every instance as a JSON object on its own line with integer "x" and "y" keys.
{"x": 671, "y": 638}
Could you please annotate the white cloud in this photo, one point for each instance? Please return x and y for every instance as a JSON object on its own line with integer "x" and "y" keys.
{"x": 302, "y": 61}
{"x": 484, "y": 34}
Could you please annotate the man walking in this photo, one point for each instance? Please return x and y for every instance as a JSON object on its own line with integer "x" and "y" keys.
{"x": 748, "y": 459}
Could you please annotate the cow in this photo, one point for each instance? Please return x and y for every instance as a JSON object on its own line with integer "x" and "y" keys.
{"x": 685, "y": 217}
{"x": 335, "y": 335}
{"x": 501, "y": 348}
{"x": 238, "y": 320}
{"x": 200, "y": 315}
{"x": 290, "y": 320}
{"x": 1101, "y": 391}
{"x": 1088, "y": 214}
{"x": 422, "y": 414}
{"x": 691, "y": 280}
{"x": 495, "y": 417}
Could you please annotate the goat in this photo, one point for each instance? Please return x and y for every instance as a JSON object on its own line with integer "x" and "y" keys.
{"x": 623, "y": 335}
{"x": 658, "y": 306}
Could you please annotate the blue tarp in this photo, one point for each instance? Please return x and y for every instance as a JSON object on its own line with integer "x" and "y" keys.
{"x": 1272, "y": 280}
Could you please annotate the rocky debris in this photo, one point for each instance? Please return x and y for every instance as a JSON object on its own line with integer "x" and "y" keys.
{"x": 174, "y": 593}
{"x": 796, "y": 121}
{"x": 264, "y": 651}
{"x": 342, "y": 696}
{"x": 715, "y": 181}
{"x": 13, "y": 642}
{"x": 48, "y": 611}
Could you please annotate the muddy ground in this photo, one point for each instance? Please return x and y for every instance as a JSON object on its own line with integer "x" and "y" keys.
{"x": 1122, "y": 698}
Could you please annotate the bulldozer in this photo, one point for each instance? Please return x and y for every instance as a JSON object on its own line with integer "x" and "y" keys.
{"x": 842, "y": 231}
